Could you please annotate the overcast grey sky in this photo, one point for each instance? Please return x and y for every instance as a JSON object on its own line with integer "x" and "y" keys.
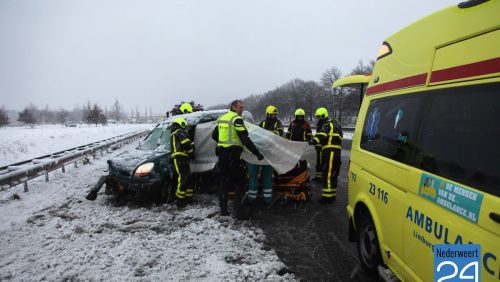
{"x": 157, "y": 53}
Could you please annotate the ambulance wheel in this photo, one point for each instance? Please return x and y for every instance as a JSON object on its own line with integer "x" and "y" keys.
{"x": 368, "y": 245}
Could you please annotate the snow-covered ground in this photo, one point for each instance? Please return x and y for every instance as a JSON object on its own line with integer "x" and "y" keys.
{"x": 52, "y": 233}
{"x": 23, "y": 143}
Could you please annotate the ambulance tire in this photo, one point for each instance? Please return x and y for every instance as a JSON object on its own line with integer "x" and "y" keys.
{"x": 368, "y": 246}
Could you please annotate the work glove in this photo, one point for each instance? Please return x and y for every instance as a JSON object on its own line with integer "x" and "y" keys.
{"x": 310, "y": 142}
{"x": 260, "y": 157}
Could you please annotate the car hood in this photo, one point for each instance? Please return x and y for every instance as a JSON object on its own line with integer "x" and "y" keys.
{"x": 128, "y": 161}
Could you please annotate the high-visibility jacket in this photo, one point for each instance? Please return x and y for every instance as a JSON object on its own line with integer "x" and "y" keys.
{"x": 180, "y": 145}
{"x": 228, "y": 125}
{"x": 273, "y": 125}
{"x": 330, "y": 135}
{"x": 319, "y": 125}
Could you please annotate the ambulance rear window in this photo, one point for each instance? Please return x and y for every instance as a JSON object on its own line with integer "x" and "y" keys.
{"x": 453, "y": 133}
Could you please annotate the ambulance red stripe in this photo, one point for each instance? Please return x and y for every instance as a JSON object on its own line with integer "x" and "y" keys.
{"x": 469, "y": 70}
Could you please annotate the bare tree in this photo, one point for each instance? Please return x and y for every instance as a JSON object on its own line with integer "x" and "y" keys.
{"x": 96, "y": 116}
{"x": 86, "y": 110}
{"x": 77, "y": 114}
{"x": 347, "y": 99}
{"x": 102, "y": 119}
{"x": 116, "y": 111}
{"x": 4, "y": 118}
{"x": 308, "y": 95}
{"x": 361, "y": 68}
{"x": 327, "y": 79}
{"x": 62, "y": 115}
{"x": 27, "y": 116}
{"x": 329, "y": 76}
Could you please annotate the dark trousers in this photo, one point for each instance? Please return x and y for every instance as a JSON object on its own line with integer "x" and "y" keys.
{"x": 181, "y": 175}
{"x": 331, "y": 168}
{"x": 319, "y": 167}
{"x": 231, "y": 176}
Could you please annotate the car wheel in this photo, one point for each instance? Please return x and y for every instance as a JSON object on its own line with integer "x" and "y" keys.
{"x": 368, "y": 246}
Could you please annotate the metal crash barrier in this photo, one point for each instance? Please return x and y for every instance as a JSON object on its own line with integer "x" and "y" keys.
{"x": 21, "y": 172}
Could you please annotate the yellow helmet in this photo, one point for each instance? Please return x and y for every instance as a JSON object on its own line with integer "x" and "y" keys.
{"x": 300, "y": 112}
{"x": 321, "y": 113}
{"x": 186, "y": 108}
{"x": 181, "y": 122}
{"x": 271, "y": 110}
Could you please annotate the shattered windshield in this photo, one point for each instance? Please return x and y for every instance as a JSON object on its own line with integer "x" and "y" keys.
{"x": 159, "y": 136}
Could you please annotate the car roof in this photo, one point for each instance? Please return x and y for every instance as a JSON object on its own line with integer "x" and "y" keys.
{"x": 194, "y": 118}
{"x": 201, "y": 117}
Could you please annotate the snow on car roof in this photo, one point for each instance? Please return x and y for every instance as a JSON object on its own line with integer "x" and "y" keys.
{"x": 196, "y": 117}
{"x": 192, "y": 118}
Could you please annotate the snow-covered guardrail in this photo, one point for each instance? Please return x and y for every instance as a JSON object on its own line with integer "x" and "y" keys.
{"x": 21, "y": 172}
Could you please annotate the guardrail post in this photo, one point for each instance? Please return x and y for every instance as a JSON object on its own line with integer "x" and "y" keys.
{"x": 63, "y": 169}
{"x": 25, "y": 186}
{"x": 76, "y": 163}
{"x": 46, "y": 176}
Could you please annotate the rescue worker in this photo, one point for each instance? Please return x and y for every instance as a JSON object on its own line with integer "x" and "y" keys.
{"x": 271, "y": 123}
{"x": 231, "y": 136}
{"x": 319, "y": 166}
{"x": 299, "y": 130}
{"x": 186, "y": 108}
{"x": 330, "y": 137}
{"x": 181, "y": 150}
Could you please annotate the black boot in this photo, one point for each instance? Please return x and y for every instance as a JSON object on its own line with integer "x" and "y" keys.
{"x": 326, "y": 201}
{"x": 92, "y": 195}
{"x": 241, "y": 212}
{"x": 224, "y": 211}
{"x": 191, "y": 200}
{"x": 241, "y": 215}
{"x": 181, "y": 203}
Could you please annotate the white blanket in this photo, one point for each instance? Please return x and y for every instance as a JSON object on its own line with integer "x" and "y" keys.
{"x": 278, "y": 152}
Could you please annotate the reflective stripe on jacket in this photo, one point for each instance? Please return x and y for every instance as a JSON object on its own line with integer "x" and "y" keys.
{"x": 330, "y": 135}
{"x": 180, "y": 145}
{"x": 299, "y": 131}
{"x": 273, "y": 125}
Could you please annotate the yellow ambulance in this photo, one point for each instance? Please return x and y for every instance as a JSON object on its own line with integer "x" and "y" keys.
{"x": 425, "y": 158}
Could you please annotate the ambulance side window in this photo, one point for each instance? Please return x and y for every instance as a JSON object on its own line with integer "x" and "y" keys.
{"x": 390, "y": 128}
{"x": 453, "y": 133}
{"x": 460, "y": 131}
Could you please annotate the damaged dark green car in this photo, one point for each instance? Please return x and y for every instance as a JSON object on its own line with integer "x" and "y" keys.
{"x": 144, "y": 174}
